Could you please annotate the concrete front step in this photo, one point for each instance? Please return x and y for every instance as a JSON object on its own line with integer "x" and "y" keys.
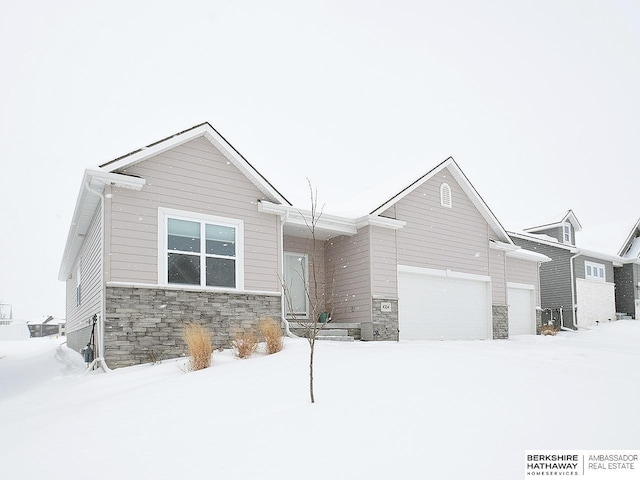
{"x": 332, "y": 332}
{"x": 335, "y": 338}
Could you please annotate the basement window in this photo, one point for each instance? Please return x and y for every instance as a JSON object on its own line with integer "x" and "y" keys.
{"x": 445, "y": 195}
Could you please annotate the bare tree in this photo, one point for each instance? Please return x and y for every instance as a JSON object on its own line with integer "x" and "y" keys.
{"x": 319, "y": 294}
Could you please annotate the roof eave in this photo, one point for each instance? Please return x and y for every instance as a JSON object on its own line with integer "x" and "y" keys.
{"x": 86, "y": 205}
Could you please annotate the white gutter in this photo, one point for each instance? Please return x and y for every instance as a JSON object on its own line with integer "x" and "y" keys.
{"x": 333, "y": 223}
{"x": 100, "y": 359}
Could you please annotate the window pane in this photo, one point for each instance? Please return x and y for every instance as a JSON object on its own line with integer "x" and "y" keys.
{"x": 184, "y": 269}
{"x": 601, "y": 272}
{"x": 221, "y": 272}
{"x": 183, "y": 235}
{"x": 221, "y": 240}
{"x": 589, "y": 270}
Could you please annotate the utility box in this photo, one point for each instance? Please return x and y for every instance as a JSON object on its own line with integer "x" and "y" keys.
{"x": 366, "y": 331}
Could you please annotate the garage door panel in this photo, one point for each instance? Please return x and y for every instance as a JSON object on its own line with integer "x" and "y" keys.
{"x": 435, "y": 307}
{"x": 521, "y": 311}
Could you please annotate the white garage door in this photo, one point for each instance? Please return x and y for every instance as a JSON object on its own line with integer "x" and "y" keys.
{"x": 440, "y": 305}
{"x": 522, "y": 320}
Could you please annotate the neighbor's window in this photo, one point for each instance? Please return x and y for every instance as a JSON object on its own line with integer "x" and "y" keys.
{"x": 202, "y": 250}
{"x": 445, "y": 195}
{"x": 566, "y": 233}
{"x": 594, "y": 271}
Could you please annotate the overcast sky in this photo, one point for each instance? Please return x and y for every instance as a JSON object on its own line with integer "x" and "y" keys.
{"x": 538, "y": 102}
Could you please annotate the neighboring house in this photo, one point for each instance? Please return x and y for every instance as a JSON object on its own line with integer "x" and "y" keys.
{"x": 46, "y": 325}
{"x": 13, "y": 329}
{"x": 578, "y": 285}
{"x": 187, "y": 229}
{"x": 627, "y": 277}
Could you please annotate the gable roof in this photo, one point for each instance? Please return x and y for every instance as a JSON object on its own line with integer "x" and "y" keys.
{"x": 114, "y": 173}
{"x": 567, "y": 216}
{"x": 218, "y": 141}
{"x": 466, "y": 186}
{"x": 631, "y": 246}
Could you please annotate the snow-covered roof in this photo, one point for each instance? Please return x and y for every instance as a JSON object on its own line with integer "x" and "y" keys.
{"x": 559, "y": 220}
{"x": 46, "y": 320}
{"x": 631, "y": 246}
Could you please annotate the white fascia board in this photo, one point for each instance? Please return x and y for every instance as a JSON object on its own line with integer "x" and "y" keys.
{"x": 86, "y": 206}
{"x": 568, "y": 216}
{"x": 218, "y": 141}
{"x": 629, "y": 238}
{"x": 295, "y": 216}
{"x": 616, "y": 260}
{"x": 514, "y": 251}
{"x": 332, "y": 223}
{"x": 103, "y": 178}
{"x": 376, "y": 221}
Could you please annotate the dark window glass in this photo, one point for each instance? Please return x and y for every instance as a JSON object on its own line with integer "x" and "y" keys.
{"x": 221, "y": 240}
{"x": 221, "y": 272}
{"x": 184, "y": 235}
{"x": 184, "y": 269}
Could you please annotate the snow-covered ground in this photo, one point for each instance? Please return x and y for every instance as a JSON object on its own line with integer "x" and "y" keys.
{"x": 443, "y": 410}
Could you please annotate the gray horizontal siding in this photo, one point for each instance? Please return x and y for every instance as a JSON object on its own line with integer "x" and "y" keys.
{"x": 348, "y": 275}
{"x": 579, "y": 267}
{"x": 194, "y": 177}
{"x": 90, "y": 258}
{"x": 384, "y": 263}
{"x": 439, "y": 237}
{"x": 626, "y": 279}
{"x": 555, "y": 277}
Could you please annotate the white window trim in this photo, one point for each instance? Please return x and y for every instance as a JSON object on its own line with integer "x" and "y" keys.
{"x": 165, "y": 213}
{"x": 306, "y": 284}
{"x": 565, "y": 227}
{"x": 595, "y": 267}
{"x": 443, "y": 201}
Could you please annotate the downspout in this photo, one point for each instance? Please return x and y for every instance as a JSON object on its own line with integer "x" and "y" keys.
{"x": 287, "y": 330}
{"x": 100, "y": 360}
{"x": 573, "y": 296}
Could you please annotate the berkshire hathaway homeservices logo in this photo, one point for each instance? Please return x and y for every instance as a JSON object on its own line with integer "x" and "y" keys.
{"x": 586, "y": 464}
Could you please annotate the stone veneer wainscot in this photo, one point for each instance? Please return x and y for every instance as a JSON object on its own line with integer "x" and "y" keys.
{"x": 147, "y": 323}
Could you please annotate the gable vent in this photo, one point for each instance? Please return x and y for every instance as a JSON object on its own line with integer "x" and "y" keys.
{"x": 445, "y": 195}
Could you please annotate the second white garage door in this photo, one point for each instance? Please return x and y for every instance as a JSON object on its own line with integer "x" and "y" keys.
{"x": 522, "y": 320}
{"x": 439, "y": 305}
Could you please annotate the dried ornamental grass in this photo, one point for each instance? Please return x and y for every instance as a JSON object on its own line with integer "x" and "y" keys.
{"x": 272, "y": 333}
{"x": 199, "y": 344}
{"x": 245, "y": 343}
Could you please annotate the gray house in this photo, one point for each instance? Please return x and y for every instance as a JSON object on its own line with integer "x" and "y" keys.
{"x": 187, "y": 230}
{"x": 627, "y": 277}
{"x": 578, "y": 285}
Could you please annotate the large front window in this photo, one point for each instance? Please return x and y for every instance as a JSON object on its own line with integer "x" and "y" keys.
{"x": 201, "y": 250}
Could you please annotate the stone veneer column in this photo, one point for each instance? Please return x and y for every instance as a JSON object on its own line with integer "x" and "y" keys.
{"x": 385, "y": 324}
{"x": 500, "y": 317}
